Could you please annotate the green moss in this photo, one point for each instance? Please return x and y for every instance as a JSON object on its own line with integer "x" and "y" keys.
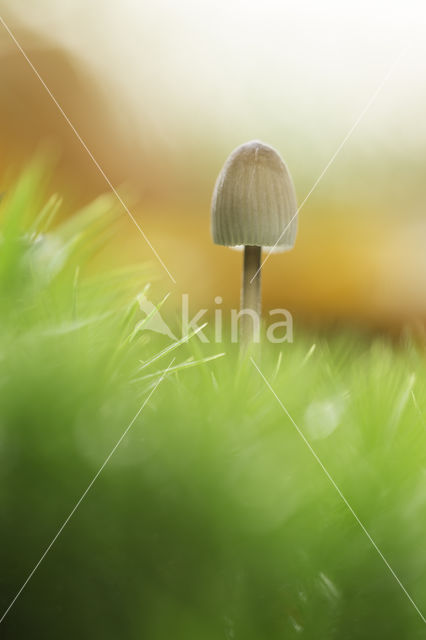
{"x": 213, "y": 518}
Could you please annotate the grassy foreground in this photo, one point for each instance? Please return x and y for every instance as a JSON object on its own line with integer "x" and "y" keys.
{"x": 213, "y": 519}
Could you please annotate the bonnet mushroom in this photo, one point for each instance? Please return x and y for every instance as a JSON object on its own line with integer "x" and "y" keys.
{"x": 254, "y": 206}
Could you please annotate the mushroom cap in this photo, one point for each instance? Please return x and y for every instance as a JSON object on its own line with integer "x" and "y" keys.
{"x": 254, "y": 200}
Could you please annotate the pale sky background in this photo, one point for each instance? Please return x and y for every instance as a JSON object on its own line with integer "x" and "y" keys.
{"x": 229, "y": 68}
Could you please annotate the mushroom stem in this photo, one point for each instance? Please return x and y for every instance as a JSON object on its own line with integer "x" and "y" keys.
{"x": 251, "y": 294}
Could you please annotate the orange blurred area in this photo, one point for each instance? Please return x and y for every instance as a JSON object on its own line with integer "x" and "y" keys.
{"x": 354, "y": 261}
{"x": 339, "y": 276}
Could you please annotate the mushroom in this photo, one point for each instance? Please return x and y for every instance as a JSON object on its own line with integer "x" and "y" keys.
{"x": 254, "y": 206}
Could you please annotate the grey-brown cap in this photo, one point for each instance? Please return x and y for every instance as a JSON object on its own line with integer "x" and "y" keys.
{"x": 254, "y": 201}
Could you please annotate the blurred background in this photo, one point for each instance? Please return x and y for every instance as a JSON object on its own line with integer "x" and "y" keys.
{"x": 161, "y": 92}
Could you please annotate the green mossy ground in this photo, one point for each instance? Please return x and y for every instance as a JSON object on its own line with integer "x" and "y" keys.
{"x": 213, "y": 519}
